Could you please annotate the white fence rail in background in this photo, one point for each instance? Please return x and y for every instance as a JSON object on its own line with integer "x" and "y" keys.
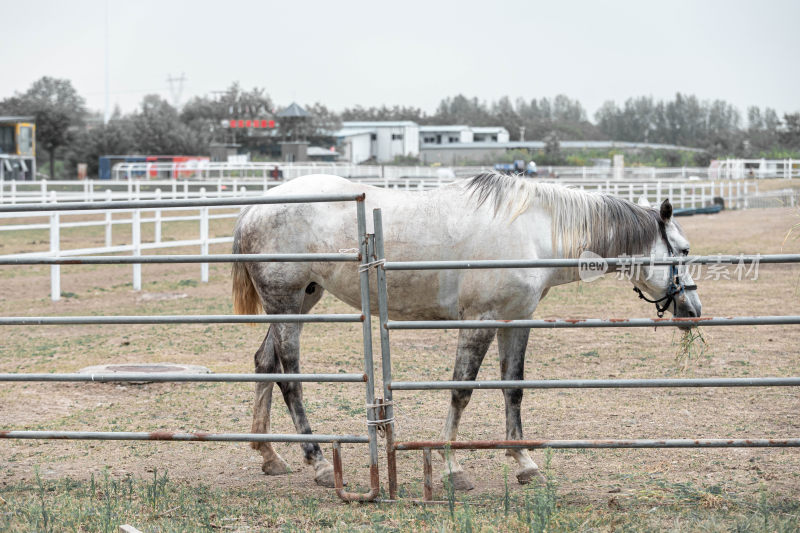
{"x": 683, "y": 193}
{"x": 136, "y": 246}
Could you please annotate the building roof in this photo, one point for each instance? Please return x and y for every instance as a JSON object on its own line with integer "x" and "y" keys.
{"x": 489, "y": 129}
{"x": 294, "y": 111}
{"x": 377, "y": 124}
{"x": 450, "y": 128}
{"x": 317, "y": 151}
{"x": 574, "y": 145}
{"x": 353, "y": 132}
{"x": 18, "y": 118}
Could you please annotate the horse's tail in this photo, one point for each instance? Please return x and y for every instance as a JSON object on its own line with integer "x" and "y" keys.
{"x": 245, "y": 297}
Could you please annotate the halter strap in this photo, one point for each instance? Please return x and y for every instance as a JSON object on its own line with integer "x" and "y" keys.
{"x": 676, "y": 285}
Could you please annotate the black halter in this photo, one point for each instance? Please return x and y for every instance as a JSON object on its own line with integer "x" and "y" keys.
{"x": 676, "y": 285}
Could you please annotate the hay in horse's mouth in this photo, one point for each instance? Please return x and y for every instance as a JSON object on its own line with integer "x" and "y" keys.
{"x": 691, "y": 345}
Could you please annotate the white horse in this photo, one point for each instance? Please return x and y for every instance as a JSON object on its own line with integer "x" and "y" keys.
{"x": 486, "y": 217}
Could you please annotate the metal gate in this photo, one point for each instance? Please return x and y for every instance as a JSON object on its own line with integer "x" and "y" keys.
{"x": 365, "y": 377}
{"x": 386, "y": 325}
{"x": 380, "y": 411}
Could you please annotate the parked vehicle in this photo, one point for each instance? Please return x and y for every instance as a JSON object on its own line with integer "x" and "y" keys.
{"x": 517, "y": 167}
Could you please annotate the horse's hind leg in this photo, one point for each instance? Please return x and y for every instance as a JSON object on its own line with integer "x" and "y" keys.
{"x": 266, "y": 362}
{"x": 288, "y": 353}
{"x": 512, "y": 344}
{"x": 472, "y": 347}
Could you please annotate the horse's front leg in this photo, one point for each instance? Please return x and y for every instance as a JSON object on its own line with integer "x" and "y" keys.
{"x": 512, "y": 344}
{"x": 266, "y": 362}
{"x": 472, "y": 347}
{"x": 289, "y": 355}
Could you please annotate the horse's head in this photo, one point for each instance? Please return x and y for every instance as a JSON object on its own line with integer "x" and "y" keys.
{"x": 670, "y": 287}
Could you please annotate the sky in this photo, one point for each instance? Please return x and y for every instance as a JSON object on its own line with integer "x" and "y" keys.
{"x": 414, "y": 53}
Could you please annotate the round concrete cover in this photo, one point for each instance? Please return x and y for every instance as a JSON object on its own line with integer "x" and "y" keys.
{"x": 150, "y": 368}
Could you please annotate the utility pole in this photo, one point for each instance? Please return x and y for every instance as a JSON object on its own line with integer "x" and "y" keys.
{"x": 107, "y": 113}
{"x": 176, "y": 89}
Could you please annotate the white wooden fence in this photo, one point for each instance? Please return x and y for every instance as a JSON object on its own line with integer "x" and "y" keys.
{"x": 683, "y": 194}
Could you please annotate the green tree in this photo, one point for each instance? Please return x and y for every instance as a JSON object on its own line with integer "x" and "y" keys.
{"x": 157, "y": 130}
{"x": 108, "y": 139}
{"x": 59, "y": 112}
{"x": 790, "y": 133}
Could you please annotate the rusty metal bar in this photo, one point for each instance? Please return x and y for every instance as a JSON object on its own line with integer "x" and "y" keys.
{"x": 602, "y": 443}
{"x": 427, "y": 472}
{"x": 168, "y": 377}
{"x": 197, "y": 202}
{"x": 610, "y": 261}
{"x": 596, "y": 383}
{"x": 338, "y": 479}
{"x": 178, "y": 436}
{"x": 596, "y": 322}
{"x": 174, "y": 319}
{"x": 214, "y": 258}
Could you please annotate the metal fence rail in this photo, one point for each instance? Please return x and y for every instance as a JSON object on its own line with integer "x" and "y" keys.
{"x": 426, "y": 446}
{"x": 175, "y": 377}
{"x": 594, "y": 323}
{"x": 597, "y": 443}
{"x": 166, "y": 259}
{"x": 594, "y": 383}
{"x": 366, "y": 377}
{"x": 175, "y": 319}
{"x": 169, "y": 435}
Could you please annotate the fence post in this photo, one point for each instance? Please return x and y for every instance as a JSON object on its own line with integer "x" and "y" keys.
{"x": 55, "y": 237}
{"x": 365, "y": 245}
{"x": 703, "y": 195}
{"x": 109, "y": 225}
{"x": 630, "y": 192}
{"x": 185, "y": 190}
{"x": 174, "y": 190}
{"x": 136, "y": 241}
{"x": 157, "y": 223}
{"x": 658, "y": 192}
{"x": 738, "y": 194}
{"x": 383, "y": 314}
{"x": 43, "y": 188}
{"x": 203, "y": 237}
{"x": 694, "y": 195}
{"x": 683, "y": 196}
{"x": 86, "y": 190}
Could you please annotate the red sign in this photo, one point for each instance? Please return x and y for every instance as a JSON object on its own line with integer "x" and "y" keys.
{"x": 260, "y": 123}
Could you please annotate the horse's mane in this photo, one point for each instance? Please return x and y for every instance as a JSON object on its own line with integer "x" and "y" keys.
{"x": 582, "y": 221}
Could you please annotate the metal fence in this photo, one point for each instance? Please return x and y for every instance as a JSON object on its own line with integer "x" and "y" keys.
{"x": 380, "y": 411}
{"x": 386, "y": 326}
{"x": 365, "y": 377}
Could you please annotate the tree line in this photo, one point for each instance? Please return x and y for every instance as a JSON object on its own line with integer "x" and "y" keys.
{"x": 68, "y": 133}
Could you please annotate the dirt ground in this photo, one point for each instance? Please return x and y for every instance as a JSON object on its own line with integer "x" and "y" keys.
{"x": 584, "y": 475}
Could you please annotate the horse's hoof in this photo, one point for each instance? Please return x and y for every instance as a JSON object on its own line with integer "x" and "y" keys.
{"x": 459, "y": 481}
{"x": 275, "y": 467}
{"x": 324, "y": 477}
{"x": 528, "y": 475}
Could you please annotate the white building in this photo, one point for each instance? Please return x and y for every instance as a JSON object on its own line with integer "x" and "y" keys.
{"x": 383, "y": 141}
{"x": 433, "y": 135}
{"x": 380, "y": 140}
{"x": 496, "y": 134}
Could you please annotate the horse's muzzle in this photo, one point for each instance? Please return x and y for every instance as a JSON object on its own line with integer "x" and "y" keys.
{"x": 688, "y": 306}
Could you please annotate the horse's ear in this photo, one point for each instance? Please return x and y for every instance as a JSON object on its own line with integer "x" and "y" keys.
{"x": 666, "y": 210}
{"x": 643, "y": 202}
